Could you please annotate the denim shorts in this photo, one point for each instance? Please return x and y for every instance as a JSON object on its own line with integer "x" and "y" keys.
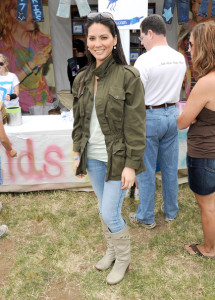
{"x": 201, "y": 175}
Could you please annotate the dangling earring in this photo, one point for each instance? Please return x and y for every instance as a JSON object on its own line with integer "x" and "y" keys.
{"x": 114, "y": 47}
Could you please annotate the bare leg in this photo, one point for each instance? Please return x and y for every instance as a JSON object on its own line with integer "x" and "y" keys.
{"x": 207, "y": 209}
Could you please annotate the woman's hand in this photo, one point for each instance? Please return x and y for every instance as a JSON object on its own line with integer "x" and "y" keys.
{"x": 128, "y": 178}
{"x": 12, "y": 153}
{"x": 40, "y": 57}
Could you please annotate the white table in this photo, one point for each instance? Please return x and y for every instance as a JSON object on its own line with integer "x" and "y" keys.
{"x": 44, "y": 160}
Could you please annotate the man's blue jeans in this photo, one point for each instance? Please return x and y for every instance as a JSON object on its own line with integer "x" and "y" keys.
{"x": 182, "y": 10}
{"x": 109, "y": 194}
{"x": 203, "y": 10}
{"x": 162, "y": 145}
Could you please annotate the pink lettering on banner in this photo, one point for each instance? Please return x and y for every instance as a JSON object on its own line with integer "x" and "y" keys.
{"x": 57, "y": 150}
{"x": 26, "y": 163}
{"x": 32, "y": 172}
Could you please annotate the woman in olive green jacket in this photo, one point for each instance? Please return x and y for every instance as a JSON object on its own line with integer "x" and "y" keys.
{"x": 109, "y": 133}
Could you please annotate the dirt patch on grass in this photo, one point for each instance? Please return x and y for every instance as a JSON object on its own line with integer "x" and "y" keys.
{"x": 7, "y": 255}
{"x": 59, "y": 290}
{"x": 36, "y": 228}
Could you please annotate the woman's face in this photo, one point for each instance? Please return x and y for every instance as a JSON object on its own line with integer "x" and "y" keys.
{"x": 29, "y": 24}
{"x": 191, "y": 44}
{"x": 100, "y": 42}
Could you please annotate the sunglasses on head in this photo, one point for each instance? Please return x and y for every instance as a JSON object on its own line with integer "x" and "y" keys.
{"x": 1, "y": 64}
{"x": 105, "y": 15}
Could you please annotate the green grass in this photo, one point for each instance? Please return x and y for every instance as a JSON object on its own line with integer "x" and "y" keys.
{"x": 55, "y": 239}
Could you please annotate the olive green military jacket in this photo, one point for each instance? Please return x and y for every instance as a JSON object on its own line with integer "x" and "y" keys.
{"x": 120, "y": 109}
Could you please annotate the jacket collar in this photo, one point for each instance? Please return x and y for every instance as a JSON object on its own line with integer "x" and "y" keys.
{"x": 105, "y": 67}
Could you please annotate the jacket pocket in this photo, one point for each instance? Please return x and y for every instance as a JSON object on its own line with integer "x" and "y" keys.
{"x": 115, "y": 104}
{"x": 118, "y": 159}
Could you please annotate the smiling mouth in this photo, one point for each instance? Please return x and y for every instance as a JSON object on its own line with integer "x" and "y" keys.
{"x": 99, "y": 51}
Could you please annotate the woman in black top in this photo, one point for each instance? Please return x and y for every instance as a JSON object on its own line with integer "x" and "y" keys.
{"x": 199, "y": 114}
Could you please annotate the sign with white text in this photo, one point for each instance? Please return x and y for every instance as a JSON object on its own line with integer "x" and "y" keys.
{"x": 128, "y": 14}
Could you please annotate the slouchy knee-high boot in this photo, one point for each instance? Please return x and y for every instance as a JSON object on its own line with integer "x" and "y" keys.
{"x": 109, "y": 256}
{"x": 121, "y": 242}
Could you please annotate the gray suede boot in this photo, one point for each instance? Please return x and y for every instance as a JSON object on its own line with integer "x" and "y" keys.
{"x": 121, "y": 242}
{"x": 109, "y": 257}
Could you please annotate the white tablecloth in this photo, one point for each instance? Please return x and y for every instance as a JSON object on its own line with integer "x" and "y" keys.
{"x": 44, "y": 160}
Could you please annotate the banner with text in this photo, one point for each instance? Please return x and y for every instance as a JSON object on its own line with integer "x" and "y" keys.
{"x": 128, "y": 14}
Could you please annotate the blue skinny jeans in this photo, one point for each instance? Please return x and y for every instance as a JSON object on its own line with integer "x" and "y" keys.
{"x": 109, "y": 194}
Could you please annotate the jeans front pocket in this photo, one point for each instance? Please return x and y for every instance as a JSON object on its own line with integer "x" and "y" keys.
{"x": 210, "y": 164}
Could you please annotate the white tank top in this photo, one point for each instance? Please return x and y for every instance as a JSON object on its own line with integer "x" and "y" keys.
{"x": 96, "y": 147}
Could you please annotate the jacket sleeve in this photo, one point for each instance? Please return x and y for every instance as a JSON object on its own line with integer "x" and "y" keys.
{"x": 134, "y": 119}
{"x": 77, "y": 127}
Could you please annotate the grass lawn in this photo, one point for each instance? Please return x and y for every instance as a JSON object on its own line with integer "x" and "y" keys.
{"x": 55, "y": 239}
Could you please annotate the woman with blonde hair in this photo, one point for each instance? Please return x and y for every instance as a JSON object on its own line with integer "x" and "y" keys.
{"x": 27, "y": 50}
{"x": 199, "y": 114}
{"x": 9, "y": 84}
